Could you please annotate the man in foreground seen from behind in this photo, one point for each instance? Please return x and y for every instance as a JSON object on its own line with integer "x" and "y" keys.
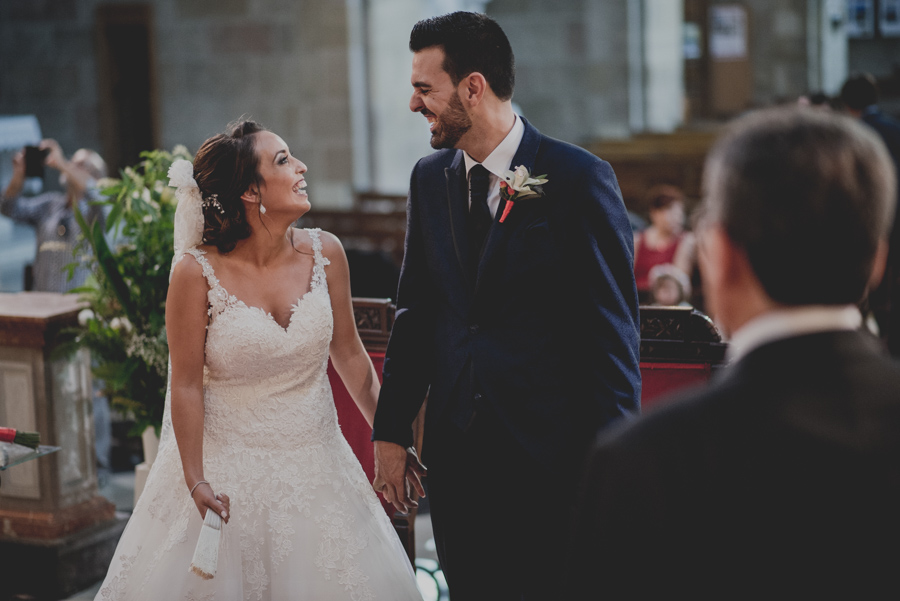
{"x": 783, "y": 476}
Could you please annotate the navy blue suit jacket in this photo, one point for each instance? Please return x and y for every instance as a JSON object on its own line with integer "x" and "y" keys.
{"x": 546, "y": 334}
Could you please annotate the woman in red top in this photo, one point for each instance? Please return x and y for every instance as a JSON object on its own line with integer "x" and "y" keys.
{"x": 665, "y": 240}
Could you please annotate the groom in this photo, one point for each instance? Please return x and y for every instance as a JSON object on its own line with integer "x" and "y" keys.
{"x": 518, "y": 320}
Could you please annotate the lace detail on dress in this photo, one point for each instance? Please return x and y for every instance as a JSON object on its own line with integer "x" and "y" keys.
{"x": 318, "y": 278}
{"x": 116, "y": 587}
{"x": 340, "y": 543}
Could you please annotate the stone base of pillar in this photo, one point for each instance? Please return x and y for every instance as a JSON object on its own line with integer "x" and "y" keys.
{"x": 50, "y": 569}
{"x": 47, "y": 525}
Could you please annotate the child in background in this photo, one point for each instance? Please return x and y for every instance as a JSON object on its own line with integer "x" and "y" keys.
{"x": 669, "y": 286}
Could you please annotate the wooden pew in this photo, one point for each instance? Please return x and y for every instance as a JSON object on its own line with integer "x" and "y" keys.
{"x": 680, "y": 347}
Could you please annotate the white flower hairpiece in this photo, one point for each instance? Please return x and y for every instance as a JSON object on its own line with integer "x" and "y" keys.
{"x": 181, "y": 174}
{"x": 188, "y": 210}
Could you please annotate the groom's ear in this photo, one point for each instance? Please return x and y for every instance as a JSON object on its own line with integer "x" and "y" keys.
{"x": 472, "y": 89}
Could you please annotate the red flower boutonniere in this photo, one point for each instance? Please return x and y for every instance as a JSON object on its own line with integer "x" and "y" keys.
{"x": 519, "y": 184}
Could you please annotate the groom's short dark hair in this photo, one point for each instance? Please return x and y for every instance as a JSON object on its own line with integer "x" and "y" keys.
{"x": 472, "y": 42}
{"x": 807, "y": 195}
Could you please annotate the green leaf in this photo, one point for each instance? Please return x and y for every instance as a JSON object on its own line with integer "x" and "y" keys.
{"x": 114, "y": 215}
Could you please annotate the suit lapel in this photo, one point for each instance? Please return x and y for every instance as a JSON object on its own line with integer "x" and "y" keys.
{"x": 499, "y": 232}
{"x": 457, "y": 202}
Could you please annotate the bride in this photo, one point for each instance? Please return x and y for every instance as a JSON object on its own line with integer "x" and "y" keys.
{"x": 254, "y": 310}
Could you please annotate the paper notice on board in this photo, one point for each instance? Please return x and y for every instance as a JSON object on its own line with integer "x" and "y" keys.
{"x": 728, "y": 32}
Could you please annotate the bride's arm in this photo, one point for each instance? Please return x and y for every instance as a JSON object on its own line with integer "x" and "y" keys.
{"x": 348, "y": 355}
{"x": 186, "y": 321}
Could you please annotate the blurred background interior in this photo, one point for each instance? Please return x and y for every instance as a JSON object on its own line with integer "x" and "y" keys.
{"x": 644, "y": 84}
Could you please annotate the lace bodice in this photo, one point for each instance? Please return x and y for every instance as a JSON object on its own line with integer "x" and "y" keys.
{"x": 264, "y": 384}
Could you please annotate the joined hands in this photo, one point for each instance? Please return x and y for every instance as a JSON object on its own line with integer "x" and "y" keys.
{"x": 398, "y": 471}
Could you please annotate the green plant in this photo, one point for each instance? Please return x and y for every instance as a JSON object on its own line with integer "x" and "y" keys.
{"x": 130, "y": 256}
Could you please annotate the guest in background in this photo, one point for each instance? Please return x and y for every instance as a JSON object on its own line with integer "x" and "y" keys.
{"x": 669, "y": 286}
{"x": 782, "y": 477}
{"x": 859, "y": 96}
{"x": 665, "y": 240}
{"x": 52, "y": 214}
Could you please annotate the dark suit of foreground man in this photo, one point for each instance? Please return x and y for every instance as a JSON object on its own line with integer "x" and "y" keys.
{"x": 525, "y": 344}
{"x": 782, "y": 478}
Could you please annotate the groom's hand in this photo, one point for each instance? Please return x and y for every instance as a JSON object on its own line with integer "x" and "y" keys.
{"x": 415, "y": 471}
{"x": 392, "y": 468}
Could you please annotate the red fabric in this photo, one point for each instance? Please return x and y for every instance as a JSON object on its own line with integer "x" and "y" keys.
{"x": 646, "y": 258}
{"x": 353, "y": 424}
{"x": 661, "y": 379}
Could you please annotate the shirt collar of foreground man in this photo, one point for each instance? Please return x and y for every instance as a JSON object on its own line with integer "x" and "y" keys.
{"x": 791, "y": 321}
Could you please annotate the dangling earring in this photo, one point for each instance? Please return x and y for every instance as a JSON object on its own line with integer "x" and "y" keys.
{"x": 262, "y": 209}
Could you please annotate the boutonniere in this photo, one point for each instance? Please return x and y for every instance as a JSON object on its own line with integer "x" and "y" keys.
{"x": 519, "y": 184}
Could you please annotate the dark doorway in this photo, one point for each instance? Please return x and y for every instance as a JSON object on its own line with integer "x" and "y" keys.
{"x": 127, "y": 90}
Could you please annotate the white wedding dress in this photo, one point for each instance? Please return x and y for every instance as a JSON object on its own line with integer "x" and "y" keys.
{"x": 305, "y": 523}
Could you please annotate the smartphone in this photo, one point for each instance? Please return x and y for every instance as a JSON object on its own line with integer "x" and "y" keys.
{"x": 34, "y": 161}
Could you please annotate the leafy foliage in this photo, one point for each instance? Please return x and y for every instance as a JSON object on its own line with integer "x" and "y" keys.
{"x": 129, "y": 260}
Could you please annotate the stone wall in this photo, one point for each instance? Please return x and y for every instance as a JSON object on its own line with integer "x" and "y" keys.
{"x": 47, "y": 68}
{"x": 283, "y": 62}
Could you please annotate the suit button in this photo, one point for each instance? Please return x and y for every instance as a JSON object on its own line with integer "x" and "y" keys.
{"x": 473, "y": 329}
{"x": 478, "y": 397}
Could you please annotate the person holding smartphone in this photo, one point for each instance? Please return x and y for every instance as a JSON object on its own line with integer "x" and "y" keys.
{"x": 52, "y": 214}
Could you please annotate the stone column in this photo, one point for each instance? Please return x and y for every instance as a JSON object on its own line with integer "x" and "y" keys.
{"x": 57, "y": 535}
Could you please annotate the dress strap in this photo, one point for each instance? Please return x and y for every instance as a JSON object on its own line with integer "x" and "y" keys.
{"x": 318, "y": 277}
{"x": 217, "y": 295}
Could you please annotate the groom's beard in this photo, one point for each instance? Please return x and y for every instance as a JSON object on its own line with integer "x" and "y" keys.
{"x": 452, "y": 125}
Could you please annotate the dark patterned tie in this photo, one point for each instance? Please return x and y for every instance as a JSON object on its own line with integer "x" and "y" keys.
{"x": 479, "y": 214}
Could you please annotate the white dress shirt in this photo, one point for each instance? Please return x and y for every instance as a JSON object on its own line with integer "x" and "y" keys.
{"x": 497, "y": 163}
{"x": 795, "y": 321}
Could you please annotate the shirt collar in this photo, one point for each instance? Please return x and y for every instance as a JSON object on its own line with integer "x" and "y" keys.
{"x": 500, "y": 159}
{"x": 794, "y": 321}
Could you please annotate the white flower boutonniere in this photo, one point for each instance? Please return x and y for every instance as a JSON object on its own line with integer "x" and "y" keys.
{"x": 519, "y": 184}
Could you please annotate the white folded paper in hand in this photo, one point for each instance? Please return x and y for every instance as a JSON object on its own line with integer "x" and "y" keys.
{"x": 206, "y": 555}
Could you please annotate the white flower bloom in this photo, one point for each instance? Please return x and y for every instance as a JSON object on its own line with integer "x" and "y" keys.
{"x": 115, "y": 323}
{"x": 181, "y": 150}
{"x": 84, "y": 316}
{"x": 145, "y": 195}
{"x": 147, "y": 218}
{"x": 106, "y": 182}
{"x": 126, "y": 324}
{"x": 181, "y": 174}
{"x": 521, "y": 181}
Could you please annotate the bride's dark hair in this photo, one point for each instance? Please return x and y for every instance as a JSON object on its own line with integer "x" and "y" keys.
{"x": 225, "y": 167}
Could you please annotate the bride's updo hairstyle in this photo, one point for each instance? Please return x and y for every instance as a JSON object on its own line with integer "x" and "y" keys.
{"x": 224, "y": 168}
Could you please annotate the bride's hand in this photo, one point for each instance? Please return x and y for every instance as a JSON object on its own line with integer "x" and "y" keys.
{"x": 205, "y": 499}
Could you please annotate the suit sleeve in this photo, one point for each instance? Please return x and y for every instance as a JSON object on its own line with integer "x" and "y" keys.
{"x": 408, "y": 363}
{"x": 603, "y": 277}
